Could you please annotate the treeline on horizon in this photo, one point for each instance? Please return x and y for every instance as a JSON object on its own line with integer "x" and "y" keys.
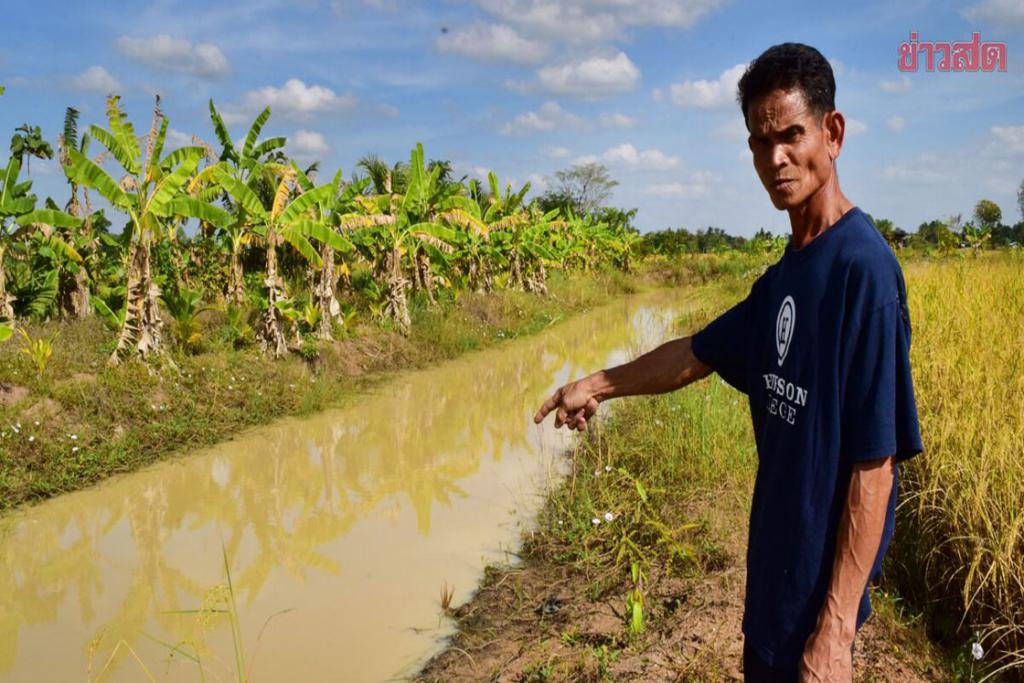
{"x": 985, "y": 230}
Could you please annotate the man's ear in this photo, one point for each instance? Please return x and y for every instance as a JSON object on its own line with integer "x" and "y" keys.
{"x": 834, "y": 128}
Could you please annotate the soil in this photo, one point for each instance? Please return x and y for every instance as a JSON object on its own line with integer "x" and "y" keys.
{"x": 539, "y": 621}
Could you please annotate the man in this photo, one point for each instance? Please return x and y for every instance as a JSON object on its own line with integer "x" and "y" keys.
{"x": 821, "y": 347}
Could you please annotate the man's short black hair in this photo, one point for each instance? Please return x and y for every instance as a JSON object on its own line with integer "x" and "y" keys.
{"x": 786, "y": 66}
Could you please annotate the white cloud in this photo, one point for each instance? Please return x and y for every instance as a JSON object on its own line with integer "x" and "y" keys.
{"x": 616, "y": 120}
{"x": 307, "y": 143}
{"x": 549, "y": 117}
{"x": 901, "y": 85}
{"x": 294, "y": 100}
{"x": 926, "y": 170}
{"x": 551, "y": 152}
{"x": 591, "y": 77}
{"x": 733, "y": 129}
{"x": 855, "y": 126}
{"x": 1002, "y": 13}
{"x": 594, "y": 21}
{"x": 492, "y": 43}
{"x": 698, "y": 184}
{"x": 896, "y": 123}
{"x": 1009, "y": 140}
{"x": 538, "y": 183}
{"x": 175, "y": 139}
{"x": 95, "y": 79}
{"x": 204, "y": 60}
{"x": 704, "y": 94}
{"x": 629, "y": 156}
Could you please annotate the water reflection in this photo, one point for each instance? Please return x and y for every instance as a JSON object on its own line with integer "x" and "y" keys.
{"x": 351, "y": 520}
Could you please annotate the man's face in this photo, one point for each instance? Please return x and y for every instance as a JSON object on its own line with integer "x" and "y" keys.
{"x": 791, "y": 146}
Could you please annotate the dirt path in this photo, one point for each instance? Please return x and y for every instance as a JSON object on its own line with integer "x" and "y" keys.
{"x": 542, "y": 621}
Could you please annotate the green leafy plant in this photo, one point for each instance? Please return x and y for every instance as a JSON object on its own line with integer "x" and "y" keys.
{"x": 39, "y": 349}
{"x": 185, "y": 306}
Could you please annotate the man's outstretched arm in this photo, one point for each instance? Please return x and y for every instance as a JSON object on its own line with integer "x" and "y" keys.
{"x": 826, "y": 656}
{"x": 669, "y": 367}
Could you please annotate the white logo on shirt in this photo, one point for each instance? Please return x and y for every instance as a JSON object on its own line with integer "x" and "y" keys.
{"x": 784, "y": 327}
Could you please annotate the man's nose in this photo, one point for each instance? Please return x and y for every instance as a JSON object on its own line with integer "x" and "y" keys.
{"x": 778, "y": 156}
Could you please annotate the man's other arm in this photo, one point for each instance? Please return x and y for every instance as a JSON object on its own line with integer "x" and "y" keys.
{"x": 827, "y": 653}
{"x": 671, "y": 366}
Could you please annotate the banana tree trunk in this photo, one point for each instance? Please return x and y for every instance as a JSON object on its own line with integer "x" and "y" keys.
{"x": 236, "y": 277}
{"x": 74, "y": 294}
{"x": 6, "y": 309}
{"x": 142, "y": 331}
{"x": 536, "y": 282}
{"x": 326, "y": 301}
{"x": 423, "y": 273}
{"x": 397, "y": 305}
{"x": 487, "y": 277}
{"x": 271, "y": 331}
{"x": 515, "y": 277}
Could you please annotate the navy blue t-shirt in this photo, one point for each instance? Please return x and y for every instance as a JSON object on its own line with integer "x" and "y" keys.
{"x": 821, "y": 346}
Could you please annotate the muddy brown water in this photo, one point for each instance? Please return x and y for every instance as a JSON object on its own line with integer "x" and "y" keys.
{"x": 339, "y": 530}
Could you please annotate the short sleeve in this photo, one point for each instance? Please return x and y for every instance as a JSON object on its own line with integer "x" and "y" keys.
{"x": 879, "y": 412}
{"x": 723, "y": 344}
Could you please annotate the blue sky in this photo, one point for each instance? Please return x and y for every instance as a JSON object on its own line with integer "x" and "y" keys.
{"x": 526, "y": 87}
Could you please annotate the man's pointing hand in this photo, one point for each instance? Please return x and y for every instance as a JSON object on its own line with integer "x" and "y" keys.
{"x": 572, "y": 404}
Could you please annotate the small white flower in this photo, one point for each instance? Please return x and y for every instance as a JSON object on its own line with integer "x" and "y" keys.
{"x": 153, "y": 406}
{"x": 976, "y": 651}
{"x": 657, "y": 422}
{"x": 74, "y": 449}
{"x": 230, "y": 387}
{"x": 31, "y": 439}
{"x": 608, "y": 516}
{"x": 607, "y": 468}
{"x": 36, "y": 423}
{"x": 595, "y": 521}
{"x": 17, "y": 425}
{"x": 597, "y": 473}
{"x": 560, "y": 522}
{"x": 74, "y": 437}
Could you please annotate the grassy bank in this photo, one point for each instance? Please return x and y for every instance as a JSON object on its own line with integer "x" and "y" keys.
{"x": 648, "y": 530}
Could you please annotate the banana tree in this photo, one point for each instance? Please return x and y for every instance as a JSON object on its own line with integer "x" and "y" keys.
{"x": 329, "y": 213}
{"x": 18, "y": 216}
{"x": 152, "y": 195}
{"x": 290, "y": 219}
{"x": 74, "y": 279}
{"x": 254, "y": 164}
{"x": 416, "y": 235}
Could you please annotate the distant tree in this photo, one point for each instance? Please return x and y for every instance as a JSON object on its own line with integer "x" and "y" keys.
{"x": 28, "y": 141}
{"x": 617, "y": 219}
{"x": 987, "y": 214}
{"x": 936, "y": 233}
{"x": 583, "y": 188}
{"x": 1020, "y": 199}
